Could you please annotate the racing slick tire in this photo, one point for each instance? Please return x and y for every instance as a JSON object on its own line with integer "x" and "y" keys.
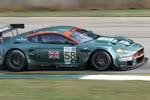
{"x": 16, "y": 60}
{"x": 101, "y": 60}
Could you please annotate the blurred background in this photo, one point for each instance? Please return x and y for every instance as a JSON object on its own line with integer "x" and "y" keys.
{"x": 15, "y": 5}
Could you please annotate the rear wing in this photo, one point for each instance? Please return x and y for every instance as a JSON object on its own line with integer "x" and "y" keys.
{"x": 10, "y": 28}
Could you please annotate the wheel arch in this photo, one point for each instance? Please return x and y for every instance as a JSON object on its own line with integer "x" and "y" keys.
{"x": 4, "y": 61}
{"x": 101, "y": 50}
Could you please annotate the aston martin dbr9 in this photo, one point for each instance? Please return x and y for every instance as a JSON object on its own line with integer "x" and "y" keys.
{"x": 66, "y": 46}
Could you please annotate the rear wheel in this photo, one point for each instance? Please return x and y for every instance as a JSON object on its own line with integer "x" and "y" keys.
{"x": 101, "y": 60}
{"x": 16, "y": 60}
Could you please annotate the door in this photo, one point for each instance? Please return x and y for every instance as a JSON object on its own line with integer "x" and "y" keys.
{"x": 57, "y": 49}
{"x": 33, "y": 48}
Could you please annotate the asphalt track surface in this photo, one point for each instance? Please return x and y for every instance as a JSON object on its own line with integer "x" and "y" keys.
{"x": 137, "y": 28}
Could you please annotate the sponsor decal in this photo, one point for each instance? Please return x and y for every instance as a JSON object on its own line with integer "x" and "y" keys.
{"x": 69, "y": 55}
{"x": 54, "y": 54}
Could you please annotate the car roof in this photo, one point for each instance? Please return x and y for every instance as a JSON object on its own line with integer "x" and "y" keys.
{"x": 54, "y": 29}
{"x": 57, "y": 29}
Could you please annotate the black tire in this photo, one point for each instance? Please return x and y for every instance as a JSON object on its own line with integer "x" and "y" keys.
{"x": 16, "y": 60}
{"x": 101, "y": 60}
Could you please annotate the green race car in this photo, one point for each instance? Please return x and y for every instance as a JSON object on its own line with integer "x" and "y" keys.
{"x": 66, "y": 46}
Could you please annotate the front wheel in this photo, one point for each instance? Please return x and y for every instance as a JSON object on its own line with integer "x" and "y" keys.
{"x": 101, "y": 60}
{"x": 16, "y": 60}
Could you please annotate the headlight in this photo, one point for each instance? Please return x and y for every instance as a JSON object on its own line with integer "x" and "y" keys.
{"x": 125, "y": 58}
{"x": 120, "y": 50}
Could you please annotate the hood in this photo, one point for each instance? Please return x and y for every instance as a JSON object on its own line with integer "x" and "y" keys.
{"x": 115, "y": 40}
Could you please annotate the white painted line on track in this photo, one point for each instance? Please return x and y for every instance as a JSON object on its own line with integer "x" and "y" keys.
{"x": 116, "y": 77}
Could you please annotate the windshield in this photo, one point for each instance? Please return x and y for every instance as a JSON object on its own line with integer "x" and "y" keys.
{"x": 84, "y": 36}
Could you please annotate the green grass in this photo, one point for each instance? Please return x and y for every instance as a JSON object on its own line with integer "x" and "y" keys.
{"x": 72, "y": 89}
{"x": 78, "y": 13}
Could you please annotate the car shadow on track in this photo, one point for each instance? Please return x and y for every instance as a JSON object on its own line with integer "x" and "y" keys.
{"x": 67, "y": 69}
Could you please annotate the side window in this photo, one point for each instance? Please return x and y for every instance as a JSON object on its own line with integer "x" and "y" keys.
{"x": 34, "y": 39}
{"x": 53, "y": 39}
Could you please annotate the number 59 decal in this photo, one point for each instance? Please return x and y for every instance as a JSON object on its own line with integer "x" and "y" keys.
{"x": 69, "y": 55}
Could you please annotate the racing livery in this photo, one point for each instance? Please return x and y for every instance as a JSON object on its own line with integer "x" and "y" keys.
{"x": 66, "y": 46}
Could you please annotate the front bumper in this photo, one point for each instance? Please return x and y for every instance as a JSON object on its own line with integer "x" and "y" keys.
{"x": 144, "y": 61}
{"x": 136, "y": 59}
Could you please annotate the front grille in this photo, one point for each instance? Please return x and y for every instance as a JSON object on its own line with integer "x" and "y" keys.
{"x": 140, "y": 59}
{"x": 139, "y": 53}
{"x": 129, "y": 63}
